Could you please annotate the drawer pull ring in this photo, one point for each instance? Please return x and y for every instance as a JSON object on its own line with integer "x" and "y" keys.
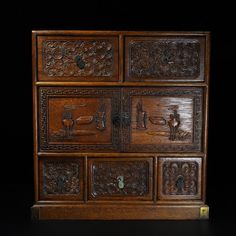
{"x": 121, "y": 184}
{"x": 80, "y": 62}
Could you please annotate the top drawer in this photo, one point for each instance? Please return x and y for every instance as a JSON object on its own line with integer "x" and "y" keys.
{"x": 85, "y": 58}
{"x": 165, "y": 58}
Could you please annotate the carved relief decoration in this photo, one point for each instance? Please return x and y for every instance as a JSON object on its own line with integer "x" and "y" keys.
{"x": 61, "y": 177}
{"x": 70, "y": 125}
{"x": 164, "y": 58}
{"x": 68, "y": 134}
{"x": 73, "y": 58}
{"x": 180, "y": 178}
{"x": 141, "y": 116}
{"x": 120, "y": 178}
{"x": 178, "y": 129}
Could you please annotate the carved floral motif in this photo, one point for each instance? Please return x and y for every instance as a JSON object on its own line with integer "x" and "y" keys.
{"x": 180, "y": 178}
{"x": 164, "y": 58}
{"x": 120, "y": 178}
{"x": 61, "y": 177}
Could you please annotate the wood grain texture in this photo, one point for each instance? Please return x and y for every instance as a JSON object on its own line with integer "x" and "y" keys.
{"x": 78, "y": 119}
{"x": 120, "y": 124}
{"x": 163, "y": 119}
{"x": 118, "y": 212}
{"x": 35, "y": 115}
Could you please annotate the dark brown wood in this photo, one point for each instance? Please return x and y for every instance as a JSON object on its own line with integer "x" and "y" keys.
{"x": 165, "y": 58}
{"x": 120, "y": 178}
{"x": 77, "y": 58}
{"x": 61, "y": 179}
{"x": 78, "y": 119}
{"x": 120, "y": 124}
{"x": 119, "y": 212}
{"x": 179, "y": 178}
{"x": 163, "y": 119}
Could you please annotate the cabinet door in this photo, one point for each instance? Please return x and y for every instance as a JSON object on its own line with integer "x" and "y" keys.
{"x": 78, "y": 58}
{"x": 165, "y": 58}
{"x": 78, "y": 119}
{"x": 162, "y": 119}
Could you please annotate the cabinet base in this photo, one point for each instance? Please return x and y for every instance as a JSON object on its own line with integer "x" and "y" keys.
{"x": 120, "y": 212}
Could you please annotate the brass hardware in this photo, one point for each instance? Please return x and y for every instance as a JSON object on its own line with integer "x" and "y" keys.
{"x": 204, "y": 212}
{"x": 121, "y": 184}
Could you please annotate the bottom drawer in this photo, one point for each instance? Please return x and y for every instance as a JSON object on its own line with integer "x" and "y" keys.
{"x": 180, "y": 178}
{"x": 120, "y": 178}
{"x": 61, "y": 179}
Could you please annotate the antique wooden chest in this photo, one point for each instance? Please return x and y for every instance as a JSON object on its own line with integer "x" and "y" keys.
{"x": 120, "y": 124}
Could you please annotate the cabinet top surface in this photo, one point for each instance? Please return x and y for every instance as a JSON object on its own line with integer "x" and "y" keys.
{"x": 111, "y": 32}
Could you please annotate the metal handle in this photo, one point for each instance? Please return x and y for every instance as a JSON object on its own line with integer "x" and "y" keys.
{"x": 121, "y": 119}
{"x": 80, "y": 62}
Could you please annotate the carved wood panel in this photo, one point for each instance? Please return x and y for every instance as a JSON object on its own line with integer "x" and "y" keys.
{"x": 164, "y": 58}
{"x": 120, "y": 179}
{"x": 78, "y": 119}
{"x": 162, "y": 119}
{"x": 86, "y": 59}
{"x": 180, "y": 178}
{"x": 61, "y": 179}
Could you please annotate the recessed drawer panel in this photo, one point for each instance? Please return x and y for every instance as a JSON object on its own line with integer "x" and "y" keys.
{"x": 180, "y": 178}
{"x": 120, "y": 178}
{"x": 72, "y": 118}
{"x": 61, "y": 179}
{"x": 77, "y": 58}
{"x": 165, "y": 58}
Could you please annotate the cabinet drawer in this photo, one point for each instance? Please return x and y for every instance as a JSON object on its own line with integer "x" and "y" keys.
{"x": 61, "y": 179}
{"x": 164, "y": 119}
{"x": 167, "y": 58}
{"x": 180, "y": 178}
{"x": 120, "y": 178}
{"x": 78, "y": 119}
{"x": 77, "y": 58}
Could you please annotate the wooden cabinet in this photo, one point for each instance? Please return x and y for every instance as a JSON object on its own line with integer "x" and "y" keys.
{"x": 120, "y": 124}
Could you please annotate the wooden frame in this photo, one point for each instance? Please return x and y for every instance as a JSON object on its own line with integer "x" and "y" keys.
{"x": 155, "y": 205}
